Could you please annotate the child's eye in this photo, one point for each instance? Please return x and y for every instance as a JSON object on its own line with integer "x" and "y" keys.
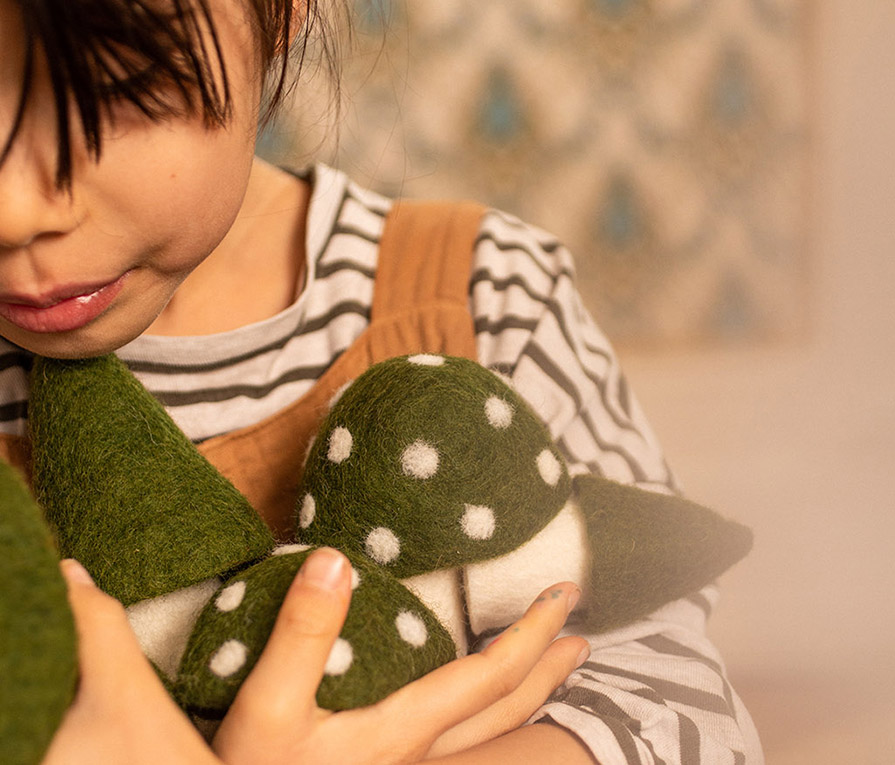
{"x": 133, "y": 87}
{"x": 151, "y": 93}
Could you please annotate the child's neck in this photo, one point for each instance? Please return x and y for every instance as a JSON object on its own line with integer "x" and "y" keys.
{"x": 256, "y": 270}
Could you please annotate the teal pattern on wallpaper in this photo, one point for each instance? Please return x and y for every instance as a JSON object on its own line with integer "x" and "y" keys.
{"x": 664, "y": 141}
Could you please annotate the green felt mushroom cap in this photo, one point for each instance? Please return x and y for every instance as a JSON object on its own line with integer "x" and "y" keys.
{"x": 130, "y": 497}
{"x": 428, "y": 462}
{"x": 389, "y": 638}
{"x": 38, "y": 663}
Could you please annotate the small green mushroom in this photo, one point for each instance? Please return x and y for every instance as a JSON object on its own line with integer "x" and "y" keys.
{"x": 389, "y": 638}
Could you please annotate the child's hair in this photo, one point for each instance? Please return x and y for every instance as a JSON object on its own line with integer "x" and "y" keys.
{"x": 163, "y": 56}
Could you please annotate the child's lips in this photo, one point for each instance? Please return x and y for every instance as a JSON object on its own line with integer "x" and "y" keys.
{"x": 63, "y": 313}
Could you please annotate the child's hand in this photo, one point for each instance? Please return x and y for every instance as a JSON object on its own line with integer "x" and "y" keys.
{"x": 121, "y": 713}
{"x": 274, "y": 718}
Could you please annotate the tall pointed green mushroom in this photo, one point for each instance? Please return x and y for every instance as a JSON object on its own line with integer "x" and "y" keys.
{"x": 650, "y": 549}
{"x": 128, "y": 494}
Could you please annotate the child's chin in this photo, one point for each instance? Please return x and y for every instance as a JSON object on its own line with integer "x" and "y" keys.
{"x": 90, "y": 341}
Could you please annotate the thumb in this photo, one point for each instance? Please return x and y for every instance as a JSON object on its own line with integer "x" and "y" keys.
{"x": 108, "y": 652}
{"x": 308, "y": 624}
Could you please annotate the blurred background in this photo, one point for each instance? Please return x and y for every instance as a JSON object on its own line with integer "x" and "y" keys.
{"x": 723, "y": 172}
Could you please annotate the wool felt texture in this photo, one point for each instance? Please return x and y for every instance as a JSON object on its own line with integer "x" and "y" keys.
{"x": 649, "y": 549}
{"x": 498, "y": 591}
{"x": 163, "y": 624}
{"x": 426, "y": 468}
{"x": 389, "y": 638}
{"x": 38, "y": 649}
{"x": 442, "y": 592}
{"x": 428, "y": 462}
{"x": 130, "y": 497}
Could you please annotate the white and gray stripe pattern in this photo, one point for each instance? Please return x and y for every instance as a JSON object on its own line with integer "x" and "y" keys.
{"x": 653, "y": 692}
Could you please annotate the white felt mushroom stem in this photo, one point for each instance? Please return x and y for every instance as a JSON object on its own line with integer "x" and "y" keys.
{"x": 440, "y": 592}
{"x": 498, "y": 591}
{"x": 163, "y": 624}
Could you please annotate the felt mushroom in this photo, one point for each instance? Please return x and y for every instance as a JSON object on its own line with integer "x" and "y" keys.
{"x": 37, "y": 637}
{"x": 429, "y": 462}
{"x": 426, "y": 466}
{"x": 132, "y": 499}
{"x": 630, "y": 550}
{"x": 389, "y": 637}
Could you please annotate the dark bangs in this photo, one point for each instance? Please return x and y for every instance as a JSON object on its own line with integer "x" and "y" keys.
{"x": 162, "y": 56}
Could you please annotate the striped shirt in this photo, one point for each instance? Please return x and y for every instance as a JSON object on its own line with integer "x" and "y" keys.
{"x": 652, "y": 692}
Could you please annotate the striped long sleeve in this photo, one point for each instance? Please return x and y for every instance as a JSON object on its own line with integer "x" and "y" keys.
{"x": 654, "y": 692}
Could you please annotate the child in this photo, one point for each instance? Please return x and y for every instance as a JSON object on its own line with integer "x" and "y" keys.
{"x": 134, "y": 218}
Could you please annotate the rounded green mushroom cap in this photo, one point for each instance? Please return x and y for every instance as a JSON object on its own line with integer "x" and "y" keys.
{"x": 38, "y": 662}
{"x": 428, "y": 462}
{"x": 389, "y": 638}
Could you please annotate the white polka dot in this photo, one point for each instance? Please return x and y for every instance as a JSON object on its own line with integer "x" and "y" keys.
{"x": 340, "y": 443}
{"x": 231, "y": 597}
{"x": 229, "y": 658}
{"x": 549, "y": 467}
{"x": 478, "y": 522}
{"x": 382, "y": 545}
{"x": 340, "y": 658}
{"x": 498, "y": 412}
{"x": 307, "y": 512}
{"x": 412, "y": 629}
{"x": 290, "y": 549}
{"x": 355, "y": 578}
{"x": 426, "y": 360}
{"x": 420, "y": 460}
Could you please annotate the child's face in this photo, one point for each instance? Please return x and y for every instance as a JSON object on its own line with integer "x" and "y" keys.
{"x": 83, "y": 274}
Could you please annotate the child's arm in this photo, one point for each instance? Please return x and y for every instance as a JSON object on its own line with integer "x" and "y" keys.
{"x": 122, "y": 713}
{"x": 657, "y": 689}
{"x": 543, "y": 744}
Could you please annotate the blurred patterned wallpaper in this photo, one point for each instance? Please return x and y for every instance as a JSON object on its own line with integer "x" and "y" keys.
{"x": 664, "y": 141}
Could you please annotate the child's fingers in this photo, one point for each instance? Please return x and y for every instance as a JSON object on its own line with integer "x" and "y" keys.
{"x": 464, "y": 688}
{"x": 560, "y": 659}
{"x": 108, "y": 652}
{"x": 283, "y": 684}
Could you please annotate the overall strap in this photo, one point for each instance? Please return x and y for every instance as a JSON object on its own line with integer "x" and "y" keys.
{"x": 425, "y": 256}
{"x": 420, "y": 304}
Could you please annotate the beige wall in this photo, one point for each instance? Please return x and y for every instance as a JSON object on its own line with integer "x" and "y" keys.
{"x": 799, "y": 440}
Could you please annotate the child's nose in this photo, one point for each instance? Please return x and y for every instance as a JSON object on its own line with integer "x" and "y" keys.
{"x": 31, "y": 203}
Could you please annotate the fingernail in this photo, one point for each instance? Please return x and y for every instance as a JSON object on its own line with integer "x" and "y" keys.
{"x": 574, "y": 597}
{"x": 324, "y": 568}
{"x": 583, "y": 656}
{"x": 75, "y": 572}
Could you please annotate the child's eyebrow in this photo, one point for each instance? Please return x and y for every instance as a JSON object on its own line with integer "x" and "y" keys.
{"x": 163, "y": 56}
